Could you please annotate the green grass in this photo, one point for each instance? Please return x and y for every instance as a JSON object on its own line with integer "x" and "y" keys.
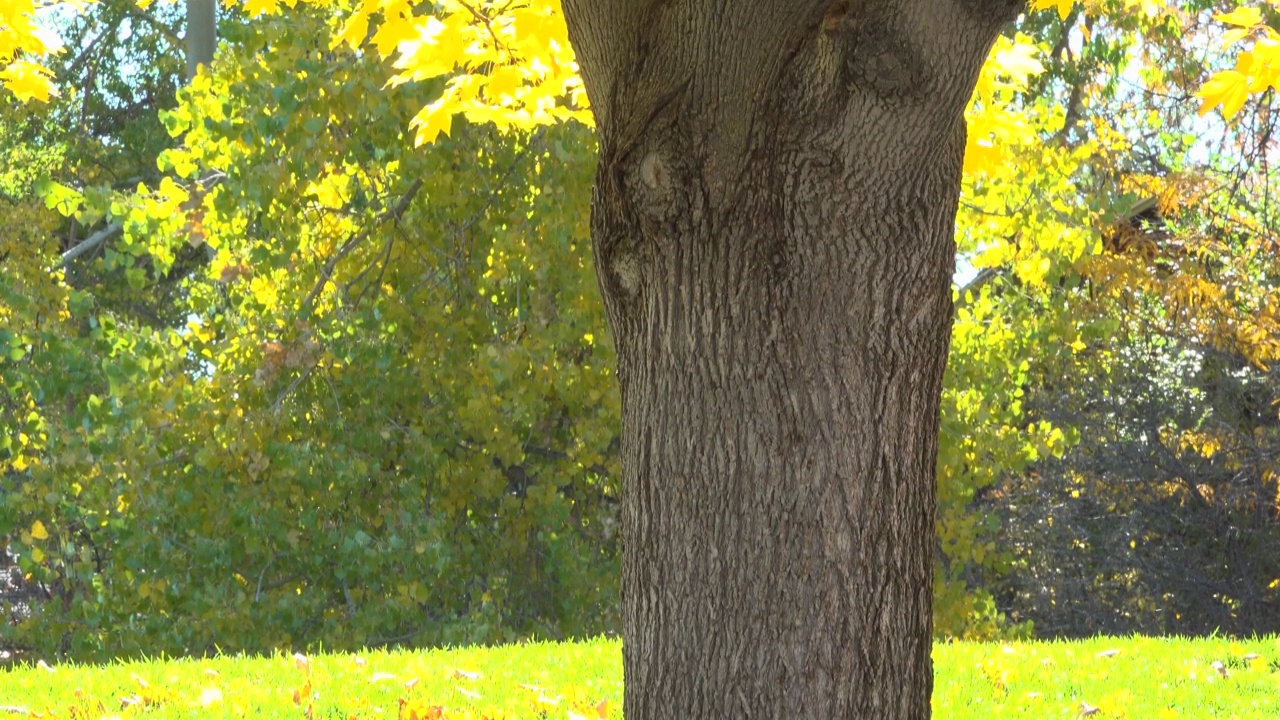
{"x": 1102, "y": 678}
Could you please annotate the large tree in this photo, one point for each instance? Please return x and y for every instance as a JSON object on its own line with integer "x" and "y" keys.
{"x": 773, "y": 220}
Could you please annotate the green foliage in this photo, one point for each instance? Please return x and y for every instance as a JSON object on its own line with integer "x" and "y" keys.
{"x": 388, "y": 415}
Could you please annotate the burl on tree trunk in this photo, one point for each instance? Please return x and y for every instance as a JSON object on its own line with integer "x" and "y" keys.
{"x": 773, "y": 224}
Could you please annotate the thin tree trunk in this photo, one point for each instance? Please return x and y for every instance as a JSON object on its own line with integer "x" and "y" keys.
{"x": 202, "y": 34}
{"x": 773, "y": 226}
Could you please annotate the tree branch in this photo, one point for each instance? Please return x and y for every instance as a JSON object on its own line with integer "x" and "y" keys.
{"x": 983, "y": 277}
{"x": 92, "y": 242}
{"x": 392, "y": 213}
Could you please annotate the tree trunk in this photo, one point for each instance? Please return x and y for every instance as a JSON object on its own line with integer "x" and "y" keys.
{"x": 201, "y": 34}
{"x": 773, "y": 224}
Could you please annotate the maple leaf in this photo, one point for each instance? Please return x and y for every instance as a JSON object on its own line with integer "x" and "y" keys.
{"x": 1228, "y": 88}
{"x": 395, "y": 29}
{"x": 1241, "y": 17}
{"x": 353, "y": 31}
{"x": 1063, "y": 6}
{"x": 28, "y": 81}
{"x": 432, "y": 120}
{"x": 261, "y": 7}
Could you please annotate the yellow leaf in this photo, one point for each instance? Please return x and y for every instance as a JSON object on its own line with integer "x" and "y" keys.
{"x": 353, "y": 31}
{"x": 431, "y": 121}
{"x": 260, "y": 7}
{"x": 1228, "y": 88}
{"x": 1016, "y": 60}
{"x": 395, "y": 29}
{"x": 1241, "y": 17}
{"x": 37, "y": 555}
{"x": 1063, "y": 6}
{"x": 980, "y": 155}
{"x": 38, "y": 531}
{"x": 28, "y": 81}
{"x": 209, "y": 696}
{"x": 503, "y": 82}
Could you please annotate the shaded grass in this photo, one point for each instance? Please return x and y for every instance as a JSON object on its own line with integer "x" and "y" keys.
{"x": 1100, "y": 678}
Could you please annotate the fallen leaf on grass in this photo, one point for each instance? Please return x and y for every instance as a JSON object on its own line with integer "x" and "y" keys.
{"x": 302, "y": 693}
{"x": 209, "y": 696}
{"x": 1108, "y": 653}
{"x": 465, "y": 674}
{"x": 380, "y": 676}
{"x": 419, "y": 710}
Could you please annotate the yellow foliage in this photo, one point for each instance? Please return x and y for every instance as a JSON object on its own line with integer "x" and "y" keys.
{"x": 1062, "y": 6}
{"x": 1257, "y": 67}
{"x": 19, "y": 36}
{"x": 28, "y": 81}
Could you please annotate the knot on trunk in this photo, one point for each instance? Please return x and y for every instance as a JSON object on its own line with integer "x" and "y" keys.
{"x": 873, "y": 53}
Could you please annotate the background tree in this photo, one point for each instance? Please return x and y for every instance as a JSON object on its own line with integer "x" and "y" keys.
{"x": 299, "y": 393}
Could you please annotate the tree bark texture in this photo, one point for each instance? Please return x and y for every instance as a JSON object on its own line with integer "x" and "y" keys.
{"x": 773, "y": 223}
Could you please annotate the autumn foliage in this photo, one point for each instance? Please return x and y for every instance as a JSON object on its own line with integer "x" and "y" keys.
{"x": 313, "y": 383}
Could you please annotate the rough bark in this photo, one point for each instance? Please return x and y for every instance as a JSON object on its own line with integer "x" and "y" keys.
{"x": 773, "y": 224}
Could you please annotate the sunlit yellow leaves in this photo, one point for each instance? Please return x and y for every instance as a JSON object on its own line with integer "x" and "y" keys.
{"x": 434, "y": 119}
{"x": 261, "y": 7}
{"x": 398, "y": 26}
{"x": 1245, "y": 17}
{"x": 28, "y": 81}
{"x": 1202, "y": 443}
{"x": 1148, "y": 8}
{"x": 993, "y": 125}
{"x": 1257, "y": 68}
{"x": 1229, "y": 88}
{"x": 20, "y": 35}
{"x": 1062, "y": 6}
{"x": 509, "y": 66}
{"x": 333, "y": 190}
{"x": 38, "y": 531}
{"x": 353, "y": 31}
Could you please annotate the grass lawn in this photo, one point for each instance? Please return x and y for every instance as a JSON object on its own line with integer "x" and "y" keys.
{"x": 1100, "y": 678}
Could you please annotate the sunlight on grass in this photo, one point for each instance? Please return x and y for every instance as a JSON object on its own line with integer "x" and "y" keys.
{"x": 1154, "y": 678}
